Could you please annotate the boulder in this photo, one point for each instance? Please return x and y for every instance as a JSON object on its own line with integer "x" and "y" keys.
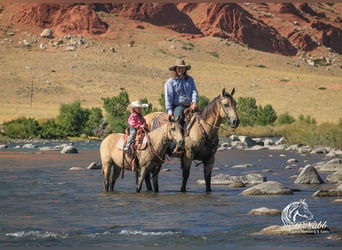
{"x": 76, "y": 168}
{"x": 226, "y": 179}
{"x": 253, "y": 178}
{"x": 236, "y": 184}
{"x": 335, "y": 177}
{"x": 47, "y": 33}
{"x": 264, "y": 211}
{"x": 309, "y": 175}
{"x": 95, "y": 165}
{"x": 335, "y": 192}
{"x": 242, "y": 166}
{"x": 330, "y": 166}
{"x": 29, "y": 145}
{"x": 268, "y": 188}
{"x": 69, "y": 150}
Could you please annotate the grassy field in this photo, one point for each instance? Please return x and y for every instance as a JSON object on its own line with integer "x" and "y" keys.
{"x": 93, "y": 71}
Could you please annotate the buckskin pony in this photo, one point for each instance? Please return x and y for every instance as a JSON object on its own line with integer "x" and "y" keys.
{"x": 148, "y": 158}
{"x": 201, "y": 134}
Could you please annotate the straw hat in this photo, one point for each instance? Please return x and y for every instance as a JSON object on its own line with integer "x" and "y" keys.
{"x": 179, "y": 63}
{"x": 137, "y": 104}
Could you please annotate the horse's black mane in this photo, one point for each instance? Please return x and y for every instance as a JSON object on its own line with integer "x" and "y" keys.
{"x": 205, "y": 113}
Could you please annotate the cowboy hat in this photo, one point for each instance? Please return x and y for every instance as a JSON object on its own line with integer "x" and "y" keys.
{"x": 137, "y": 104}
{"x": 179, "y": 63}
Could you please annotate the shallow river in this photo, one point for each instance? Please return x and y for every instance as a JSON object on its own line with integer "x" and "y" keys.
{"x": 43, "y": 203}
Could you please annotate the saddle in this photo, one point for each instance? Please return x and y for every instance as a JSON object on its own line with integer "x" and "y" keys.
{"x": 140, "y": 142}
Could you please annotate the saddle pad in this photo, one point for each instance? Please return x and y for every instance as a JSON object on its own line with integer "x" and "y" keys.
{"x": 123, "y": 139}
{"x": 159, "y": 121}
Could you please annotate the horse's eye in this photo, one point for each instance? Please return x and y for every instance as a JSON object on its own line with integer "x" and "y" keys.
{"x": 173, "y": 128}
{"x": 226, "y": 105}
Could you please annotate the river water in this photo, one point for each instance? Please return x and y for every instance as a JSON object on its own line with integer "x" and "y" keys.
{"x": 44, "y": 203}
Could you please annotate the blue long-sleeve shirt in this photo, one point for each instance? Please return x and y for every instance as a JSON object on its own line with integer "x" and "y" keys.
{"x": 180, "y": 92}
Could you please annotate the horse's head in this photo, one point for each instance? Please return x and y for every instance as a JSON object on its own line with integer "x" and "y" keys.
{"x": 228, "y": 108}
{"x": 303, "y": 210}
{"x": 175, "y": 132}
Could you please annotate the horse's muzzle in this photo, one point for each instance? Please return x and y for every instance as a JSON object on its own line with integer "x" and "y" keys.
{"x": 234, "y": 123}
{"x": 180, "y": 145}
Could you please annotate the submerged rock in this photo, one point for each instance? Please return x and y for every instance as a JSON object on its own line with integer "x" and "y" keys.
{"x": 69, "y": 150}
{"x": 264, "y": 211}
{"x": 268, "y": 188}
{"x": 335, "y": 192}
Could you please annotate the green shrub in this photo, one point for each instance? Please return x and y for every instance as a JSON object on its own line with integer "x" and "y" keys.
{"x": 284, "y": 118}
{"x": 72, "y": 118}
{"x": 23, "y": 128}
{"x": 51, "y": 130}
{"x": 266, "y": 115}
{"x": 94, "y": 120}
{"x": 247, "y": 111}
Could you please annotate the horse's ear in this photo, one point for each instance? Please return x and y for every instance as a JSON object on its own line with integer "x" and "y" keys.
{"x": 233, "y": 91}
{"x": 223, "y": 92}
{"x": 171, "y": 119}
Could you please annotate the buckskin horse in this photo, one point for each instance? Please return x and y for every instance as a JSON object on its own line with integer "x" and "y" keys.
{"x": 201, "y": 139}
{"x": 148, "y": 159}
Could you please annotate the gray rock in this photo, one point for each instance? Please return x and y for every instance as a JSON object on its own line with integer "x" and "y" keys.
{"x": 95, "y": 165}
{"x": 48, "y": 33}
{"x": 268, "y": 188}
{"x": 46, "y": 148}
{"x": 335, "y": 192}
{"x": 253, "y": 178}
{"x": 320, "y": 150}
{"x": 335, "y": 177}
{"x": 256, "y": 148}
{"x": 264, "y": 211}
{"x": 309, "y": 175}
{"x": 281, "y": 141}
{"x": 248, "y": 141}
{"x": 76, "y": 168}
{"x": 330, "y": 166}
{"x": 29, "y": 145}
{"x": 226, "y": 179}
{"x": 236, "y": 184}
{"x": 3, "y": 146}
{"x": 69, "y": 150}
{"x": 243, "y": 166}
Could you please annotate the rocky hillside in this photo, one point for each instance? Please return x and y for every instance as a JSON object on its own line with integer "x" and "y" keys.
{"x": 283, "y": 28}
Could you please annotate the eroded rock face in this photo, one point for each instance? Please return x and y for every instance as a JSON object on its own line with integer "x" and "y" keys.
{"x": 258, "y": 26}
{"x": 63, "y": 18}
{"x": 232, "y": 21}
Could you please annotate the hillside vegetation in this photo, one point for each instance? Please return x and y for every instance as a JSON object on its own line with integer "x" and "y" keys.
{"x": 39, "y": 74}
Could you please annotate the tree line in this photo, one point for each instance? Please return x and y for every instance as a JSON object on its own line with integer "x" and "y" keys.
{"x": 73, "y": 120}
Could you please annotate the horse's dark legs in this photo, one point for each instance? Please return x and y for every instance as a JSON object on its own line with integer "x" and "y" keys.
{"x": 115, "y": 176}
{"x": 185, "y": 165}
{"x": 207, "y": 170}
{"x": 148, "y": 181}
{"x": 106, "y": 168}
{"x": 155, "y": 176}
{"x": 140, "y": 177}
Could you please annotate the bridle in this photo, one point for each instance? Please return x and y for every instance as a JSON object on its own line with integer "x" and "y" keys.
{"x": 225, "y": 112}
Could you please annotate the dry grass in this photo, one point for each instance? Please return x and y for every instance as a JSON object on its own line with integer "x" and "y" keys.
{"x": 88, "y": 74}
